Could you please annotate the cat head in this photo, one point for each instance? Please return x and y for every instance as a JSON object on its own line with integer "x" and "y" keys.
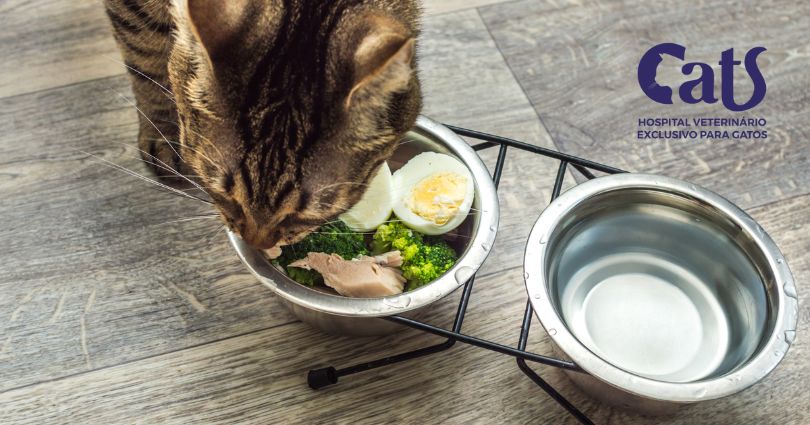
{"x": 287, "y": 110}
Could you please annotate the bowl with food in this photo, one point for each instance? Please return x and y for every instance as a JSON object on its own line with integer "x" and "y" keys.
{"x": 422, "y": 228}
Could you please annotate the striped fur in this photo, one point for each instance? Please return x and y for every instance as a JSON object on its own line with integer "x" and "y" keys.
{"x": 282, "y": 108}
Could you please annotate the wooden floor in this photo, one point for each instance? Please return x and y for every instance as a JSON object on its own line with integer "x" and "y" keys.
{"x": 112, "y": 313}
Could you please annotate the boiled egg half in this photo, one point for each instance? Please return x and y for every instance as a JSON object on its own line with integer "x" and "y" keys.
{"x": 374, "y": 207}
{"x": 432, "y": 193}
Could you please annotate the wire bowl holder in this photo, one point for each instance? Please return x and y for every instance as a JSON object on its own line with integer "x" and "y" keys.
{"x": 319, "y": 378}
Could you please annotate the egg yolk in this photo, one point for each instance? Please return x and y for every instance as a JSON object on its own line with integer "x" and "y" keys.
{"x": 437, "y": 198}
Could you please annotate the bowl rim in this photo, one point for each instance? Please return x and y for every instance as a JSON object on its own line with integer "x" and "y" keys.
{"x": 477, "y": 250}
{"x": 764, "y": 360}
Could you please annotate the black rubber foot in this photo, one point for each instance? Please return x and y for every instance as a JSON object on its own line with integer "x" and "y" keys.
{"x": 319, "y": 378}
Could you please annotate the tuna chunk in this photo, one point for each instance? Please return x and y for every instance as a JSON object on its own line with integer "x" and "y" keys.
{"x": 365, "y": 277}
{"x": 390, "y": 259}
{"x": 273, "y": 253}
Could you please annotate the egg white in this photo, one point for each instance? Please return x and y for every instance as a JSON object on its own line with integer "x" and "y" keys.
{"x": 374, "y": 207}
{"x": 412, "y": 173}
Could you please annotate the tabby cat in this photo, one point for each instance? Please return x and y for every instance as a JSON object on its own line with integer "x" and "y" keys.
{"x": 280, "y": 109}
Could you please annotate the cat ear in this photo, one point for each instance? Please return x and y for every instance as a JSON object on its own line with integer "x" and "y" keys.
{"x": 383, "y": 60}
{"x": 216, "y": 23}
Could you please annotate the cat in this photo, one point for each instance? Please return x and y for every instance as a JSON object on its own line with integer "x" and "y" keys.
{"x": 281, "y": 110}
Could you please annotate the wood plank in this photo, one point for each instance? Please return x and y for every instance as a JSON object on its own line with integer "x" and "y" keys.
{"x": 83, "y": 291}
{"x": 50, "y": 43}
{"x": 93, "y": 275}
{"x": 260, "y": 377}
{"x": 94, "y": 272}
{"x": 434, "y": 7}
{"x": 577, "y": 61}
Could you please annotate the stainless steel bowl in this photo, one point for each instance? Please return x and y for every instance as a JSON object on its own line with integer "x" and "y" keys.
{"x": 663, "y": 292}
{"x": 358, "y": 316}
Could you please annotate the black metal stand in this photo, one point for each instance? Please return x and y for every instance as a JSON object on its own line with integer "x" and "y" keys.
{"x": 319, "y": 378}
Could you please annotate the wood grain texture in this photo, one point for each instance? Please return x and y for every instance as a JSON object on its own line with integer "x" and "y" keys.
{"x": 97, "y": 267}
{"x": 434, "y": 7}
{"x": 260, "y": 377}
{"x": 50, "y": 43}
{"x": 115, "y": 316}
{"x": 577, "y": 62}
{"x": 93, "y": 263}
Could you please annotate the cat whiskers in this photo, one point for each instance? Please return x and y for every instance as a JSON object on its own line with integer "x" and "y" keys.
{"x": 200, "y": 153}
{"x": 333, "y": 206}
{"x": 170, "y": 96}
{"x": 216, "y": 233}
{"x": 144, "y": 178}
{"x": 192, "y": 218}
{"x": 337, "y": 184}
{"x": 395, "y": 220}
{"x": 337, "y": 220}
{"x": 153, "y": 124}
{"x": 168, "y": 92}
{"x": 162, "y": 165}
{"x": 405, "y": 142}
{"x": 205, "y": 139}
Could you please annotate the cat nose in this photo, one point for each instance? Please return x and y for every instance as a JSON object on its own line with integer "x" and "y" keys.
{"x": 261, "y": 240}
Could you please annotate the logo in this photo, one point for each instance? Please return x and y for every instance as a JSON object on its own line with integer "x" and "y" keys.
{"x": 648, "y": 68}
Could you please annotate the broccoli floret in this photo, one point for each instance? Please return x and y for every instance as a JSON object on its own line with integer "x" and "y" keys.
{"x": 333, "y": 238}
{"x": 304, "y": 276}
{"x": 428, "y": 264}
{"x": 394, "y": 235}
{"x": 424, "y": 259}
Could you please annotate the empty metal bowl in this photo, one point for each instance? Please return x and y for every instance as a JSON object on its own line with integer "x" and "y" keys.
{"x": 663, "y": 292}
{"x": 330, "y": 312}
